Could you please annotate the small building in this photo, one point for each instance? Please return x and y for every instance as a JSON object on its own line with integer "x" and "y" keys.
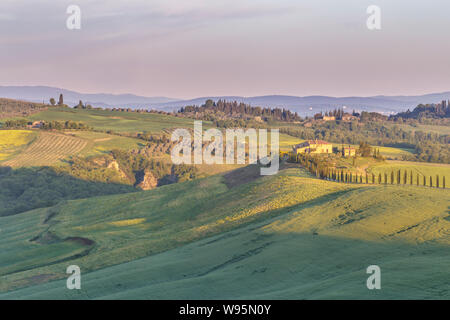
{"x": 35, "y": 124}
{"x": 349, "y": 117}
{"x": 329, "y": 118}
{"x": 313, "y": 146}
{"x": 348, "y": 151}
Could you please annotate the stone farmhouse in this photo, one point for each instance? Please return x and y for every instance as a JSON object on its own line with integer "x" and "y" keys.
{"x": 313, "y": 146}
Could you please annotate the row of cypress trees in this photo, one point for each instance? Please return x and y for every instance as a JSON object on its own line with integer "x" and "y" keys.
{"x": 321, "y": 170}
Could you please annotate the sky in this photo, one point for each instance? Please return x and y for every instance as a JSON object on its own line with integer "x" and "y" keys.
{"x": 186, "y": 49}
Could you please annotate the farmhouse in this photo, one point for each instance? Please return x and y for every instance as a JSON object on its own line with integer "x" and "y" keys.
{"x": 349, "y": 117}
{"x": 313, "y": 146}
{"x": 348, "y": 151}
{"x": 35, "y": 124}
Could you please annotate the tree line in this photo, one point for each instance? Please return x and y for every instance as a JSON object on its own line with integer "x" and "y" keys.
{"x": 233, "y": 109}
{"x": 400, "y": 177}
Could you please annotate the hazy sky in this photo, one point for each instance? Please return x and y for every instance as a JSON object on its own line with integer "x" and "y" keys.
{"x": 191, "y": 48}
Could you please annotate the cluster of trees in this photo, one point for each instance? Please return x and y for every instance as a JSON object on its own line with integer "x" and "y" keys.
{"x": 366, "y": 150}
{"x": 26, "y": 189}
{"x": 157, "y": 138}
{"x": 372, "y": 116}
{"x": 135, "y": 164}
{"x": 60, "y": 125}
{"x": 238, "y": 123}
{"x": 436, "y": 111}
{"x": 60, "y": 101}
{"x": 49, "y": 125}
{"x": 236, "y": 109}
{"x": 81, "y": 105}
{"x": 19, "y": 123}
{"x": 130, "y": 170}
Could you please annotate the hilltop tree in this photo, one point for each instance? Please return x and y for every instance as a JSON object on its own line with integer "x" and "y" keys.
{"x": 80, "y": 105}
{"x": 365, "y": 150}
{"x": 52, "y": 101}
{"x": 61, "y": 100}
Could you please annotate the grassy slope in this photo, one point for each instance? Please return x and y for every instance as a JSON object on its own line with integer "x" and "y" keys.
{"x": 49, "y": 148}
{"x": 117, "y": 121}
{"x": 99, "y": 143}
{"x": 22, "y": 148}
{"x": 421, "y": 168}
{"x": 287, "y": 236}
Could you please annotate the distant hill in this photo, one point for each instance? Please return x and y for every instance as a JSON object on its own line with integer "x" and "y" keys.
{"x": 43, "y": 94}
{"x": 312, "y": 104}
{"x": 303, "y": 105}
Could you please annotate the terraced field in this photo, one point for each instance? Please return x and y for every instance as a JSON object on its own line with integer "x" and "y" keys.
{"x": 12, "y": 141}
{"x": 48, "y": 149}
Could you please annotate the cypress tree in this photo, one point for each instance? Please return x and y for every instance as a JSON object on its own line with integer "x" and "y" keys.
{"x": 424, "y": 181}
{"x": 373, "y": 178}
{"x": 431, "y": 181}
{"x": 379, "y": 178}
{"x": 443, "y": 182}
{"x": 392, "y": 177}
{"x": 405, "y": 177}
{"x": 385, "y": 178}
{"x": 417, "y": 179}
{"x": 411, "y": 178}
{"x": 437, "y": 181}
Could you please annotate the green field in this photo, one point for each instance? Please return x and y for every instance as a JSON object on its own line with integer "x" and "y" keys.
{"x": 100, "y": 143}
{"x": 425, "y": 128}
{"x": 233, "y": 237}
{"x": 130, "y": 122}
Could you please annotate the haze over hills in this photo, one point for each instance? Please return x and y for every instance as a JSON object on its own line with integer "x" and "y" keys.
{"x": 303, "y": 105}
{"x": 43, "y": 93}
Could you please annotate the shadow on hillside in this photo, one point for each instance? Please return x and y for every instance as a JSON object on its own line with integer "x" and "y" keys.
{"x": 253, "y": 263}
{"x": 25, "y": 189}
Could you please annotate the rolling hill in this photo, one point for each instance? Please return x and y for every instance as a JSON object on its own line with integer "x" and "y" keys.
{"x": 234, "y": 236}
{"x": 303, "y": 105}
